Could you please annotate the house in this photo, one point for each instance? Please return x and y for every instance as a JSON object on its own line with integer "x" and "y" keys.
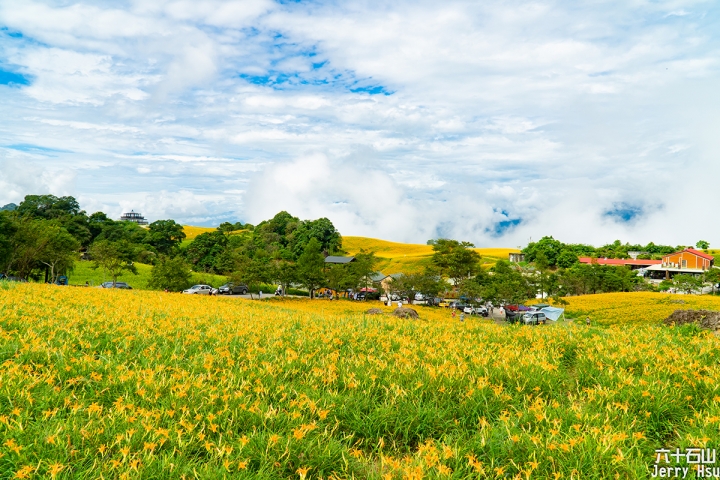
{"x": 634, "y": 264}
{"x": 133, "y": 217}
{"x": 378, "y": 277}
{"x": 689, "y": 258}
{"x": 338, "y": 260}
{"x": 688, "y": 261}
{"x": 517, "y": 257}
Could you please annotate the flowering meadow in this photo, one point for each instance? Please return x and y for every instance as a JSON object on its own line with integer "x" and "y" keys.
{"x": 636, "y": 307}
{"x": 99, "y": 383}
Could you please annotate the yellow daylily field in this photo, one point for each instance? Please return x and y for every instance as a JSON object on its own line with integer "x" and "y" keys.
{"x": 136, "y": 384}
{"x": 408, "y": 257}
{"x": 192, "y": 232}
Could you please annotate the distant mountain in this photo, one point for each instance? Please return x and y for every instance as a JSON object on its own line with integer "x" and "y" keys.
{"x": 9, "y": 206}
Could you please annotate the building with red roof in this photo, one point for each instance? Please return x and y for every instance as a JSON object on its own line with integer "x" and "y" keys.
{"x": 620, "y": 262}
{"x": 690, "y": 259}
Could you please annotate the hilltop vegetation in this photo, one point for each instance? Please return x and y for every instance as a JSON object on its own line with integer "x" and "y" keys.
{"x": 45, "y": 237}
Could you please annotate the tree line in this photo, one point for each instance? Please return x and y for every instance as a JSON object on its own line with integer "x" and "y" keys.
{"x": 565, "y": 255}
{"x": 44, "y": 236}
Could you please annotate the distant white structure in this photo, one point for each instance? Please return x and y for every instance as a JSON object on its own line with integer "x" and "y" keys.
{"x": 133, "y": 217}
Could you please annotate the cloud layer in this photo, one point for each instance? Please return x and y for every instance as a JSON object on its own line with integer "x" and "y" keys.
{"x": 494, "y": 122}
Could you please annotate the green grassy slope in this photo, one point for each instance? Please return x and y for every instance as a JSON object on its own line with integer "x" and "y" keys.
{"x": 84, "y": 272}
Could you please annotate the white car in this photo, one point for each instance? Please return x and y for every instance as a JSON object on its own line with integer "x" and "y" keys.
{"x": 479, "y": 310}
{"x": 201, "y": 290}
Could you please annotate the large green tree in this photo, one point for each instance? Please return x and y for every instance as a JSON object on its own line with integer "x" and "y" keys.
{"x": 165, "y": 236}
{"x": 321, "y": 230}
{"x": 284, "y": 273}
{"x": 113, "y": 258}
{"x": 60, "y": 252}
{"x": 455, "y": 259}
{"x": 251, "y": 271}
{"x": 171, "y": 273}
{"x": 310, "y": 267}
{"x": 205, "y": 252}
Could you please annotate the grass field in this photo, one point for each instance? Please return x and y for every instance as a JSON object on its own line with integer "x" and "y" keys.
{"x": 137, "y": 384}
{"x": 406, "y": 257}
{"x": 84, "y": 272}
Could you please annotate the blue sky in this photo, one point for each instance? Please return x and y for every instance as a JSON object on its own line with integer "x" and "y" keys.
{"x": 494, "y": 122}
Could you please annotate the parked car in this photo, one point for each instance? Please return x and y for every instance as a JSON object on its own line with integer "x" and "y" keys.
{"x": 419, "y": 297}
{"x": 512, "y": 316}
{"x": 443, "y": 304}
{"x": 479, "y": 310}
{"x": 232, "y": 289}
{"x": 10, "y": 278}
{"x": 122, "y": 285}
{"x": 534, "y": 318}
{"x": 200, "y": 290}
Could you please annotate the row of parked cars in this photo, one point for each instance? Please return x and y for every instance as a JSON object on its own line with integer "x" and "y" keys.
{"x": 227, "y": 289}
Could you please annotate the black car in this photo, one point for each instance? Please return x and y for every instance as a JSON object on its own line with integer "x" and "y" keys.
{"x": 232, "y": 289}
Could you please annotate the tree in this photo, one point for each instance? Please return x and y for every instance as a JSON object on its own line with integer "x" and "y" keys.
{"x": 455, "y": 259}
{"x": 310, "y": 266}
{"x": 321, "y": 230}
{"x": 339, "y": 278}
{"x": 8, "y": 227}
{"x": 60, "y": 251}
{"x": 284, "y": 273}
{"x": 48, "y": 206}
{"x": 687, "y": 283}
{"x": 27, "y": 246}
{"x": 251, "y": 271}
{"x": 507, "y": 285}
{"x": 113, "y": 258}
{"x": 204, "y": 251}
{"x": 702, "y": 245}
{"x": 171, "y": 273}
{"x": 165, "y": 236}
{"x": 548, "y": 246}
{"x": 362, "y": 269}
{"x": 712, "y": 276}
{"x": 471, "y": 290}
{"x": 430, "y": 283}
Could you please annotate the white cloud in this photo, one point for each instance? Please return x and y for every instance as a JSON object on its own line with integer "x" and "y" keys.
{"x": 550, "y": 113}
{"x": 19, "y": 177}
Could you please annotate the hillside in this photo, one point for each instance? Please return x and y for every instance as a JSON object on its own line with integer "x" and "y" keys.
{"x": 409, "y": 257}
{"x": 394, "y": 257}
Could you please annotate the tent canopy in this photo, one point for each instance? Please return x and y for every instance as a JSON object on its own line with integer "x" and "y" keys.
{"x": 553, "y": 313}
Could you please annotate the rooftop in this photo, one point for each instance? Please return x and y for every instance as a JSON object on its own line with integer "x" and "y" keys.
{"x": 336, "y": 259}
{"x": 619, "y": 261}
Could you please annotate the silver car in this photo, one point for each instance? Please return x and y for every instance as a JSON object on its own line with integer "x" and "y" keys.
{"x": 201, "y": 290}
{"x": 534, "y": 318}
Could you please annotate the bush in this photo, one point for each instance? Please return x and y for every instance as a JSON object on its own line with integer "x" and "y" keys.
{"x": 172, "y": 274}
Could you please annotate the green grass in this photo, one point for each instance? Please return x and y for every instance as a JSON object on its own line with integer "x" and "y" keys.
{"x": 84, "y": 272}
